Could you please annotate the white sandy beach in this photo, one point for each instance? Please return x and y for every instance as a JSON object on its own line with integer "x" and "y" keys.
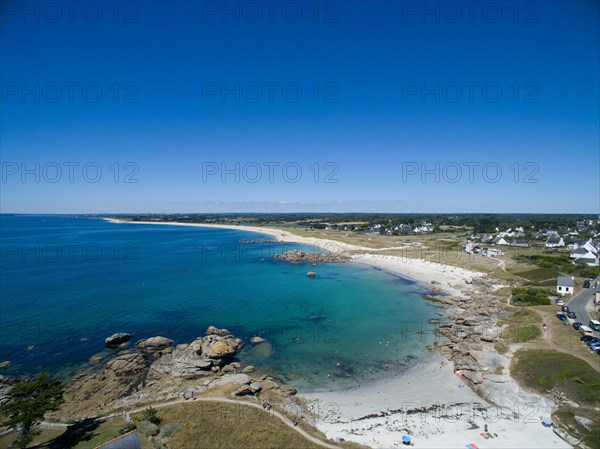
{"x": 456, "y": 414}
{"x": 456, "y": 409}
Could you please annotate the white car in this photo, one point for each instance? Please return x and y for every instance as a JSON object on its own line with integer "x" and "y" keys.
{"x": 560, "y": 303}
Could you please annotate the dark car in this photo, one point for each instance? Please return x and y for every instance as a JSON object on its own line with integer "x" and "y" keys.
{"x": 586, "y": 284}
{"x": 571, "y": 315}
{"x": 594, "y": 341}
{"x": 598, "y": 351}
{"x": 565, "y": 309}
{"x": 576, "y": 325}
{"x": 561, "y": 316}
{"x": 587, "y": 338}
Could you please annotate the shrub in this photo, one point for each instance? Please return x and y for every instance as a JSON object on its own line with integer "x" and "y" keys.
{"x": 531, "y": 296}
{"x": 166, "y": 430}
{"x": 147, "y": 428}
{"x": 151, "y": 415}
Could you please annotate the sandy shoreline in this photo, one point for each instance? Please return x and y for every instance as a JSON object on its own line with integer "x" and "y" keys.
{"x": 428, "y": 402}
{"x": 436, "y": 409}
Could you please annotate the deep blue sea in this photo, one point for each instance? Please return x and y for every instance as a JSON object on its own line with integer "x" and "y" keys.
{"x": 66, "y": 283}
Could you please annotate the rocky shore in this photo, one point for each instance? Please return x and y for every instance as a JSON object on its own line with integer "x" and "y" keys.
{"x": 297, "y": 256}
{"x": 156, "y": 370}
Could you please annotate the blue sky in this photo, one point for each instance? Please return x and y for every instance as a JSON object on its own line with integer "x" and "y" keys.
{"x": 159, "y": 106}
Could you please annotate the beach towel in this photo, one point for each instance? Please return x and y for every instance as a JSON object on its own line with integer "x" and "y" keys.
{"x": 472, "y": 446}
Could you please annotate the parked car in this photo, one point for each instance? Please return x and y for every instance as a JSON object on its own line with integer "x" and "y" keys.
{"x": 560, "y": 303}
{"x": 598, "y": 351}
{"x": 585, "y": 331}
{"x": 576, "y": 325}
{"x": 565, "y": 308}
{"x": 571, "y": 315}
{"x": 586, "y": 284}
{"x": 593, "y": 342}
{"x": 594, "y": 346}
{"x": 561, "y": 316}
{"x": 586, "y": 338}
{"x": 594, "y": 324}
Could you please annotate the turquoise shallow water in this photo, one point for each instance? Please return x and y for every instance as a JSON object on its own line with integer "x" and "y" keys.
{"x": 66, "y": 283}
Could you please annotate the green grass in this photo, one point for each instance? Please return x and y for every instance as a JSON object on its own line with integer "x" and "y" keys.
{"x": 547, "y": 370}
{"x": 589, "y": 434}
{"x": 216, "y": 425}
{"x": 522, "y": 325}
{"x": 540, "y": 274}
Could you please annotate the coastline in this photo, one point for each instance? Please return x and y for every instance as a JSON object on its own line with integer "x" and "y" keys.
{"x": 449, "y": 278}
{"x": 429, "y": 401}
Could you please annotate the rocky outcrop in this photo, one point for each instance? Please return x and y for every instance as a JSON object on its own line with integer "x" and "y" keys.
{"x": 267, "y": 386}
{"x": 256, "y": 340}
{"x": 154, "y": 344}
{"x": 6, "y": 384}
{"x": 201, "y": 357}
{"x": 117, "y": 339}
{"x": 470, "y": 329}
{"x": 4, "y": 365}
{"x": 297, "y": 256}
{"x": 150, "y": 367}
{"x": 216, "y": 331}
{"x": 248, "y": 369}
{"x": 127, "y": 362}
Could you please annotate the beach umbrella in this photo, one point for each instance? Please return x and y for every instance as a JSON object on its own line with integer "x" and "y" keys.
{"x": 406, "y": 439}
{"x": 546, "y": 421}
{"x": 472, "y": 446}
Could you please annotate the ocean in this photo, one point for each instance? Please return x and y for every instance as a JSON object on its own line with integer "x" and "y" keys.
{"x": 66, "y": 283}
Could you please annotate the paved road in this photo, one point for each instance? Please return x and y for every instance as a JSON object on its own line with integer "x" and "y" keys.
{"x": 578, "y": 305}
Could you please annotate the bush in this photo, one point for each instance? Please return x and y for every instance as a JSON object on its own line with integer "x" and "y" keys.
{"x": 147, "y": 428}
{"x": 151, "y": 415}
{"x": 531, "y": 296}
{"x": 166, "y": 430}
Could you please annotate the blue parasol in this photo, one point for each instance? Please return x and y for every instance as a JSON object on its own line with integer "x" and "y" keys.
{"x": 406, "y": 439}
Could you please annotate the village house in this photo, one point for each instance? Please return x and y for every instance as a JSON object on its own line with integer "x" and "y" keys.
{"x": 500, "y": 241}
{"x": 576, "y": 244}
{"x": 565, "y": 285}
{"x": 554, "y": 242}
{"x": 588, "y": 254}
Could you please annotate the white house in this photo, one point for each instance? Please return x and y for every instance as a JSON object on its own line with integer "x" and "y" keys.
{"x": 500, "y": 241}
{"x": 565, "y": 285}
{"x": 588, "y": 253}
{"x": 554, "y": 242}
{"x": 576, "y": 244}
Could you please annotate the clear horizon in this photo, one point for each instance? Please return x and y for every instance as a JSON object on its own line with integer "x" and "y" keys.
{"x": 284, "y": 107}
